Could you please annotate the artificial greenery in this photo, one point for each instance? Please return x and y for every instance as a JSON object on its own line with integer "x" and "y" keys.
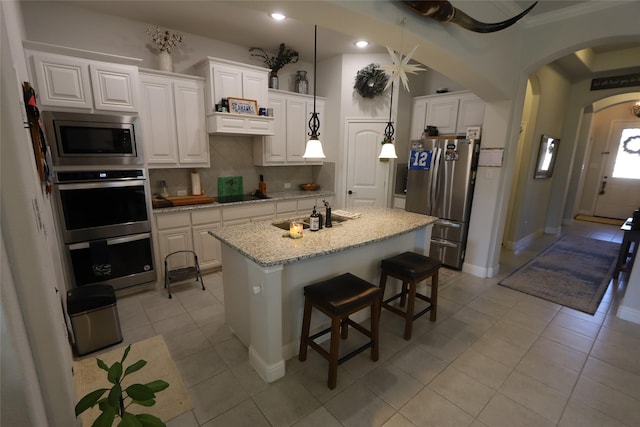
{"x": 284, "y": 56}
{"x": 370, "y": 81}
{"x": 113, "y": 405}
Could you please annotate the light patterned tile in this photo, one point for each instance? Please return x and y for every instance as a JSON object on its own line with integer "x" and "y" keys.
{"x": 200, "y": 366}
{"x": 215, "y": 396}
{"x": 183, "y": 345}
{"x": 482, "y": 368}
{"x": 444, "y": 347}
{"x": 285, "y": 402}
{"x": 576, "y": 324}
{"x": 499, "y": 350}
{"x": 607, "y": 400}
{"x": 359, "y": 406}
{"x": 504, "y": 412}
{"x": 577, "y": 414}
{"x": 513, "y": 333}
{"x": 568, "y": 338}
{"x": 489, "y": 307}
{"x": 462, "y": 390}
{"x": 244, "y": 415}
{"x": 396, "y": 421}
{"x": 596, "y": 318}
{"x": 560, "y": 354}
{"x": 419, "y": 363}
{"x": 547, "y": 372}
{"x": 429, "y": 409}
{"x": 392, "y": 384}
{"x": 534, "y": 395}
{"x": 617, "y": 355}
{"x": 318, "y": 418}
{"x": 611, "y": 376}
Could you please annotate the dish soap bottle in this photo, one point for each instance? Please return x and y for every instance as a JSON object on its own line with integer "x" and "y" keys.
{"x": 314, "y": 220}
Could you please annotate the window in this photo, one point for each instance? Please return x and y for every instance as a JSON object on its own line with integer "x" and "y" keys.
{"x": 628, "y": 158}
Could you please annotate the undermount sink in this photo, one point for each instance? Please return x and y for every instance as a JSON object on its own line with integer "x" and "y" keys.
{"x": 284, "y": 225}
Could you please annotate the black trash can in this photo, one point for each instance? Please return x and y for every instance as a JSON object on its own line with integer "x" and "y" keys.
{"x": 94, "y": 317}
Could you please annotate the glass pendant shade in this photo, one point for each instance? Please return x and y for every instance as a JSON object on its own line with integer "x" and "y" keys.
{"x": 388, "y": 151}
{"x": 313, "y": 149}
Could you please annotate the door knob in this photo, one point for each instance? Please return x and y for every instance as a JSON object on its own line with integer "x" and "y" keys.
{"x": 602, "y": 185}
{"x": 349, "y": 192}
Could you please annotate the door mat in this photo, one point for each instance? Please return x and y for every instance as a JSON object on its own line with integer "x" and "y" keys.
{"x": 600, "y": 220}
{"x": 574, "y": 272}
{"x": 170, "y": 402}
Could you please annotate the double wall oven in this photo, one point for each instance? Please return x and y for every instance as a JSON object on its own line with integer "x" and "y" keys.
{"x": 101, "y": 199}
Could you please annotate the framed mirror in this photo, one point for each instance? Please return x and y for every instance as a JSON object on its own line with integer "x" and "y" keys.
{"x": 547, "y": 154}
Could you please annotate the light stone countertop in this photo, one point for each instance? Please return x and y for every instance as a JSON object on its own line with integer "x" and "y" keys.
{"x": 273, "y": 197}
{"x": 268, "y": 245}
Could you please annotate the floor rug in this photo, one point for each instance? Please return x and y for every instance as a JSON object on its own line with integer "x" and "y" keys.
{"x": 573, "y": 272}
{"x": 600, "y": 220}
{"x": 170, "y": 402}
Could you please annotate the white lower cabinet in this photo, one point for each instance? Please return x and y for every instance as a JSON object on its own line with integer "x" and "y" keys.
{"x": 252, "y": 212}
{"x": 205, "y": 245}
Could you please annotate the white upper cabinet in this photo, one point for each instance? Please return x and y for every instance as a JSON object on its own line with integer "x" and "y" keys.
{"x": 229, "y": 79}
{"x": 70, "y": 82}
{"x": 286, "y": 147}
{"x": 451, "y": 113}
{"x": 173, "y": 121}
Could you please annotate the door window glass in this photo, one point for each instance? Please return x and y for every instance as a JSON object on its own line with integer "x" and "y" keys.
{"x": 628, "y": 157}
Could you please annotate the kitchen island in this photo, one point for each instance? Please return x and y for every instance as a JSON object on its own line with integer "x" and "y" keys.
{"x": 265, "y": 271}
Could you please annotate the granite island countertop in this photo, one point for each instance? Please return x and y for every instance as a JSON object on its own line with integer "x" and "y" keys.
{"x": 273, "y": 197}
{"x": 267, "y": 245}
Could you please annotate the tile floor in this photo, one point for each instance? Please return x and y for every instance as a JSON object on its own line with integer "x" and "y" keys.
{"x": 495, "y": 357}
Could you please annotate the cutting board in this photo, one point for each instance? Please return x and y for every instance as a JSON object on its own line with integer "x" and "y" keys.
{"x": 182, "y": 201}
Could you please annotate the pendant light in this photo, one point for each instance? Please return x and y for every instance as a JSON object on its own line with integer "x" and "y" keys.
{"x": 388, "y": 149}
{"x": 314, "y": 146}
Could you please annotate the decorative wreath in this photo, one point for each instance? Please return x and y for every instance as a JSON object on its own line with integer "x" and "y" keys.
{"x": 370, "y": 81}
{"x": 625, "y": 145}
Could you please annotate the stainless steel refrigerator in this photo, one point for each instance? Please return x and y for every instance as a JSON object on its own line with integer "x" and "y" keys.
{"x": 440, "y": 182}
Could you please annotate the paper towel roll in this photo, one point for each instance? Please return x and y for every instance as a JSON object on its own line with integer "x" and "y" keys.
{"x": 195, "y": 183}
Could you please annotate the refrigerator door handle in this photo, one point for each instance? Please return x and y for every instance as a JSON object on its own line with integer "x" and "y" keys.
{"x": 450, "y": 224}
{"x": 435, "y": 174}
{"x": 444, "y": 243}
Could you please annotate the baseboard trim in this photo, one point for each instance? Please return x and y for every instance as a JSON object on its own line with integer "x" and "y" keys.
{"x": 629, "y": 314}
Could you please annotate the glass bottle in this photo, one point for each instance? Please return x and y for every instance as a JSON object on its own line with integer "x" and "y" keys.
{"x": 302, "y": 85}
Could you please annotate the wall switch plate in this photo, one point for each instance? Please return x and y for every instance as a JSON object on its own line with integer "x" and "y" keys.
{"x": 287, "y": 185}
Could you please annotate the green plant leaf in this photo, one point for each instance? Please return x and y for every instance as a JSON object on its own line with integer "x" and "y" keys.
{"x": 105, "y": 419}
{"x": 126, "y": 353}
{"x": 157, "y": 385}
{"x": 89, "y": 400}
{"x": 149, "y": 402}
{"x": 140, "y": 392}
{"x": 102, "y": 365}
{"x": 135, "y": 367}
{"x": 115, "y": 372}
{"x": 129, "y": 420}
{"x": 115, "y": 394}
{"x": 148, "y": 420}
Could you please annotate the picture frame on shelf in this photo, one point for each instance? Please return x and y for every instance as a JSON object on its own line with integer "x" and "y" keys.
{"x": 547, "y": 154}
{"x": 243, "y": 106}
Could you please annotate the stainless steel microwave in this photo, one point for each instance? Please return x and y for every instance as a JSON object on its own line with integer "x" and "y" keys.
{"x": 82, "y": 139}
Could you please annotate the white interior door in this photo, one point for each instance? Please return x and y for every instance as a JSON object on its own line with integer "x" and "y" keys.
{"x": 367, "y": 176}
{"x": 619, "y": 193}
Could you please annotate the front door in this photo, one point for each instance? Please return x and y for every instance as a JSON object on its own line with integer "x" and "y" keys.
{"x": 367, "y": 176}
{"x": 619, "y": 192}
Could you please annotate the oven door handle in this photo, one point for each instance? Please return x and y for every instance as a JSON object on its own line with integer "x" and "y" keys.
{"x": 114, "y": 241}
{"x": 100, "y": 184}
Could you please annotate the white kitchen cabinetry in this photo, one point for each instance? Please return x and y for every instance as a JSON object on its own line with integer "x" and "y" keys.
{"x": 291, "y": 127}
{"x": 173, "y": 121}
{"x": 189, "y": 231}
{"x": 70, "y": 82}
{"x": 229, "y": 79}
{"x": 451, "y": 113}
{"x": 174, "y": 234}
{"x": 205, "y": 245}
{"x": 251, "y": 212}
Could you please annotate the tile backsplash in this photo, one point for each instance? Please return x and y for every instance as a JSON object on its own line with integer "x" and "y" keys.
{"x": 233, "y": 156}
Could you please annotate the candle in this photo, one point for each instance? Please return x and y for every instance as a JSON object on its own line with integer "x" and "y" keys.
{"x": 295, "y": 230}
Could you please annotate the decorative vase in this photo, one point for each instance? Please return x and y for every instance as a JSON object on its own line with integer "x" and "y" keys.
{"x": 302, "y": 85}
{"x": 165, "y": 62}
{"x": 273, "y": 80}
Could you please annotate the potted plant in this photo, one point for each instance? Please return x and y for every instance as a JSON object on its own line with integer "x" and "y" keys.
{"x": 284, "y": 56}
{"x": 113, "y": 405}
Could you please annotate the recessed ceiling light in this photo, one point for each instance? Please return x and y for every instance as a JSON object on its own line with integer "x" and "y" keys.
{"x": 278, "y": 16}
{"x": 362, "y": 43}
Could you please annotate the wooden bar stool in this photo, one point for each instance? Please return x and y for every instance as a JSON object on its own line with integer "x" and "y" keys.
{"x": 411, "y": 268}
{"x": 338, "y": 298}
